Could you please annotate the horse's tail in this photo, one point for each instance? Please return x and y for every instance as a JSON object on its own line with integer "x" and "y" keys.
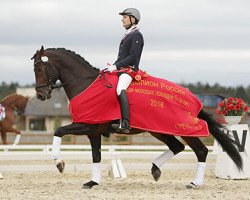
{"x": 227, "y": 143}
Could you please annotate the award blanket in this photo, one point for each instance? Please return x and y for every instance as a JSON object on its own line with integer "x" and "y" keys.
{"x": 155, "y": 105}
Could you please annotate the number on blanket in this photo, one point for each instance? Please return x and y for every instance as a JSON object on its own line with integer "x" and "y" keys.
{"x": 155, "y": 103}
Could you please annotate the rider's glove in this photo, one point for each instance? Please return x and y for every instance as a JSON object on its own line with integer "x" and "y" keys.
{"x": 111, "y": 68}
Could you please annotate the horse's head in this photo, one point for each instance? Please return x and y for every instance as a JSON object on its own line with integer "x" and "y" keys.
{"x": 46, "y": 75}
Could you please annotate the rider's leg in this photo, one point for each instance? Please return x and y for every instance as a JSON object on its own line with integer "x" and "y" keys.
{"x": 123, "y": 83}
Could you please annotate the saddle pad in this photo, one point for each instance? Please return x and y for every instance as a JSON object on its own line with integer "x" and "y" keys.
{"x": 2, "y": 112}
{"x": 155, "y": 105}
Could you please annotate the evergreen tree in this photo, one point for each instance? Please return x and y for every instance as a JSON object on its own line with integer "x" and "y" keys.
{"x": 241, "y": 93}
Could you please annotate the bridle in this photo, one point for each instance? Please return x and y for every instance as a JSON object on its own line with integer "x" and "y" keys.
{"x": 50, "y": 80}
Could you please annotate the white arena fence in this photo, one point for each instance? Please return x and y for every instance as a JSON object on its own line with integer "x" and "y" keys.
{"x": 114, "y": 153}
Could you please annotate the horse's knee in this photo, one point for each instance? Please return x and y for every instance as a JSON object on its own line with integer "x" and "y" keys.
{"x": 59, "y": 132}
{"x": 201, "y": 154}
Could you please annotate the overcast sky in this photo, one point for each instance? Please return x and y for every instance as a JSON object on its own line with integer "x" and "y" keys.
{"x": 185, "y": 40}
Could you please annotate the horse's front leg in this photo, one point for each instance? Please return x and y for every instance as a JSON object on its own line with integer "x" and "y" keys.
{"x": 12, "y": 130}
{"x": 73, "y": 129}
{"x": 4, "y": 137}
{"x": 95, "y": 142}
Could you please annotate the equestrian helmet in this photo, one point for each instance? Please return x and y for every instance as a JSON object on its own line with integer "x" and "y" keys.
{"x": 132, "y": 12}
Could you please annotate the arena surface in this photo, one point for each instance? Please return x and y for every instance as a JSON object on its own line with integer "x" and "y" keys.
{"x": 138, "y": 185}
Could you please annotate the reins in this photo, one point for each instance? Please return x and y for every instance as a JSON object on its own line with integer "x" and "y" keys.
{"x": 103, "y": 75}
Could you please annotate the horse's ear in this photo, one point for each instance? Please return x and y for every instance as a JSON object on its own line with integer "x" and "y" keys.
{"x": 39, "y": 53}
{"x": 42, "y": 49}
{"x": 34, "y": 56}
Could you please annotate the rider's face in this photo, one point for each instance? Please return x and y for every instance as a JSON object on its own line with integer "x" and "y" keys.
{"x": 126, "y": 21}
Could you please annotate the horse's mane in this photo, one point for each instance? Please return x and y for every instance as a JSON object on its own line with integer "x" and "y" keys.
{"x": 72, "y": 53}
{"x": 13, "y": 97}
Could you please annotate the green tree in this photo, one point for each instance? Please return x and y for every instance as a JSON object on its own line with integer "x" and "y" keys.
{"x": 240, "y": 92}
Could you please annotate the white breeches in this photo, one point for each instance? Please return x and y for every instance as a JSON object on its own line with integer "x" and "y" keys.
{"x": 123, "y": 83}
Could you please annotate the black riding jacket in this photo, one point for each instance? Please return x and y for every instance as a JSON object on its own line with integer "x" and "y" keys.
{"x": 130, "y": 50}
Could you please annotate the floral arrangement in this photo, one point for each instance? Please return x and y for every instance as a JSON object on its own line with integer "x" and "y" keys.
{"x": 232, "y": 107}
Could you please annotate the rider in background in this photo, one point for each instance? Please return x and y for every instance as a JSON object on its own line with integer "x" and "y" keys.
{"x": 129, "y": 55}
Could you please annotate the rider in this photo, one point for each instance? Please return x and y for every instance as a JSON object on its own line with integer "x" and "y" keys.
{"x": 129, "y": 55}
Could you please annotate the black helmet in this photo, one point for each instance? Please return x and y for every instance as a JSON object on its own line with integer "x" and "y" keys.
{"x": 132, "y": 12}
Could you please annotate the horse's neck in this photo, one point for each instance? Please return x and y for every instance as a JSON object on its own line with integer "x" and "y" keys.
{"x": 21, "y": 106}
{"x": 75, "y": 73}
{"x": 9, "y": 103}
{"x": 76, "y": 88}
{"x": 77, "y": 78}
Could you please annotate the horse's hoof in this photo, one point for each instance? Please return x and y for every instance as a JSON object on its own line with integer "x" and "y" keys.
{"x": 89, "y": 185}
{"x": 156, "y": 172}
{"x": 60, "y": 166}
{"x": 1, "y": 176}
{"x": 192, "y": 186}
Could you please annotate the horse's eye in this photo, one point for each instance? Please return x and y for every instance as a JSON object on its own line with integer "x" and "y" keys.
{"x": 38, "y": 69}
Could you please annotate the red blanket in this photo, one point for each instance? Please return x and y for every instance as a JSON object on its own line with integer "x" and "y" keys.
{"x": 155, "y": 105}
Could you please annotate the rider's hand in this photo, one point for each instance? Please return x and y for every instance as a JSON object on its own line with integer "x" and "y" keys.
{"x": 111, "y": 68}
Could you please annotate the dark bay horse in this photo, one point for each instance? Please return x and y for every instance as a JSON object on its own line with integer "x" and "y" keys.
{"x": 76, "y": 74}
{"x": 14, "y": 105}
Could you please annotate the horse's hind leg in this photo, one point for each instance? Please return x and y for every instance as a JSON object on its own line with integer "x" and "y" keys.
{"x": 175, "y": 147}
{"x": 201, "y": 152}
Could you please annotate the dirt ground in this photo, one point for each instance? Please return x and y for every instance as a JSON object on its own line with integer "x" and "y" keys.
{"x": 138, "y": 185}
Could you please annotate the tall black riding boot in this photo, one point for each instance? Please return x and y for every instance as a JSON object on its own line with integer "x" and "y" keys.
{"x": 124, "y": 125}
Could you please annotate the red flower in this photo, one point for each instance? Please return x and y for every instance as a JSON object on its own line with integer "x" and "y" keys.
{"x": 232, "y": 107}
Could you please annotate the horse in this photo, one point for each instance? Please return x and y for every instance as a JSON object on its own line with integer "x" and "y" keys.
{"x": 14, "y": 105}
{"x": 75, "y": 75}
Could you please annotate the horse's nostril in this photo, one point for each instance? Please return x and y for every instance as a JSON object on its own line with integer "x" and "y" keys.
{"x": 40, "y": 96}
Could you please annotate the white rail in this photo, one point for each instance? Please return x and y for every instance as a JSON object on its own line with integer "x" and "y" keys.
{"x": 110, "y": 148}
{"x": 81, "y": 152}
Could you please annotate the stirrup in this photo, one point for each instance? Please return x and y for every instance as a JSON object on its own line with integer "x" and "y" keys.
{"x": 124, "y": 127}
{"x": 116, "y": 125}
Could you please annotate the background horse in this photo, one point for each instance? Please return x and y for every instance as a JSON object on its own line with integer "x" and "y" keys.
{"x": 14, "y": 105}
{"x": 76, "y": 74}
